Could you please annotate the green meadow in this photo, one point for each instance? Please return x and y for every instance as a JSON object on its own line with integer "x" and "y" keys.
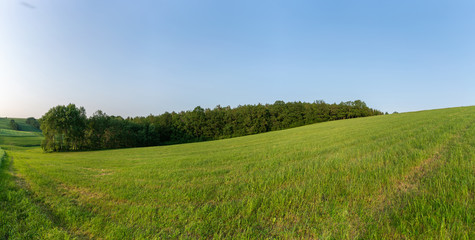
{"x": 5, "y": 124}
{"x": 398, "y": 176}
{"x": 27, "y": 137}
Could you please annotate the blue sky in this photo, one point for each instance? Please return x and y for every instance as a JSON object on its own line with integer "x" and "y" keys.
{"x": 134, "y": 58}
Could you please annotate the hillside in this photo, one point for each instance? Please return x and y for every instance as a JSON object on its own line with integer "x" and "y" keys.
{"x": 5, "y": 124}
{"x": 27, "y": 136}
{"x": 407, "y": 175}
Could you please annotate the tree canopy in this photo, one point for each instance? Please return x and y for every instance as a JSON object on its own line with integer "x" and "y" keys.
{"x": 33, "y": 122}
{"x": 63, "y": 128}
{"x": 67, "y": 128}
{"x": 14, "y": 125}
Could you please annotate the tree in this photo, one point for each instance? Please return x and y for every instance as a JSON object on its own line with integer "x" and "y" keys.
{"x": 14, "y": 125}
{"x": 63, "y": 128}
{"x": 33, "y": 122}
{"x": 96, "y": 126}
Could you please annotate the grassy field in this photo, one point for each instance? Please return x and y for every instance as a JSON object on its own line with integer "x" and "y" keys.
{"x": 27, "y": 137}
{"x": 409, "y": 175}
{"x": 5, "y": 124}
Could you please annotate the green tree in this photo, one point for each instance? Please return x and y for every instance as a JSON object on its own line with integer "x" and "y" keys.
{"x": 33, "y": 122}
{"x": 64, "y": 128}
{"x": 14, "y": 125}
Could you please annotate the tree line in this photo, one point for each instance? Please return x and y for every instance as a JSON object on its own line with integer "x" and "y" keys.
{"x": 67, "y": 128}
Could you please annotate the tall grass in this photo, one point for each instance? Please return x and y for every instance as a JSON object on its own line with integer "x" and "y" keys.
{"x": 405, "y": 175}
{"x": 22, "y": 217}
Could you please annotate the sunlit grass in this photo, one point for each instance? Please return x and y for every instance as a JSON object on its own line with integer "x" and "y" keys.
{"x": 396, "y": 176}
{"x": 5, "y": 124}
{"x": 9, "y": 142}
{"x": 28, "y": 137}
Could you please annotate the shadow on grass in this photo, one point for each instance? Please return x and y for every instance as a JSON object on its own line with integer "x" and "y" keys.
{"x": 25, "y": 216}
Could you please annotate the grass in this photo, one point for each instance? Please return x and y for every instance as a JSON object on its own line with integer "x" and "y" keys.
{"x": 27, "y": 137}
{"x": 20, "y": 216}
{"x": 408, "y": 175}
{"x": 25, "y": 141}
{"x": 5, "y": 124}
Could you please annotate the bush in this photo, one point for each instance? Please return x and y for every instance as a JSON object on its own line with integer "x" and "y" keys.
{"x": 14, "y": 125}
{"x": 33, "y": 122}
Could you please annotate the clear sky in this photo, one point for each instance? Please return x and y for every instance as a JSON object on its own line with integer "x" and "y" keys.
{"x": 135, "y": 58}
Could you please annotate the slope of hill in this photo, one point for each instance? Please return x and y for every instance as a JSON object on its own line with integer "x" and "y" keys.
{"x": 5, "y": 124}
{"x": 405, "y": 175}
{"x": 28, "y": 136}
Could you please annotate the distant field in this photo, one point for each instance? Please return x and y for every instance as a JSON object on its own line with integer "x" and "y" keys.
{"x": 27, "y": 137}
{"x": 25, "y": 141}
{"x": 409, "y": 175}
{"x": 5, "y": 124}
